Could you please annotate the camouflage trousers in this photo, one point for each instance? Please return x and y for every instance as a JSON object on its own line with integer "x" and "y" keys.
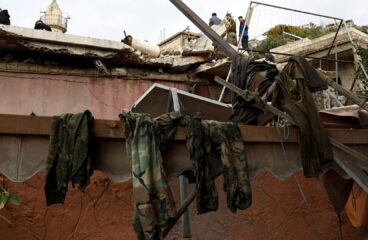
{"x": 231, "y": 38}
{"x": 206, "y": 139}
{"x": 145, "y": 139}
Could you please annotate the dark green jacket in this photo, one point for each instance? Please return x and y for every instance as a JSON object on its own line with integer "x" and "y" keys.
{"x": 68, "y": 158}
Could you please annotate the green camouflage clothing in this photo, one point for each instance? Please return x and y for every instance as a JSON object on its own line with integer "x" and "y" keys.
{"x": 69, "y": 155}
{"x": 145, "y": 139}
{"x": 231, "y": 31}
{"x": 295, "y": 98}
{"x": 203, "y": 140}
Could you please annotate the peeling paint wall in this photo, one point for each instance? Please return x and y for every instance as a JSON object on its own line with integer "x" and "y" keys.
{"x": 104, "y": 212}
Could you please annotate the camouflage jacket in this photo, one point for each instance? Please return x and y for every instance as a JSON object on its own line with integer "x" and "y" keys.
{"x": 204, "y": 139}
{"x": 69, "y": 155}
{"x": 145, "y": 139}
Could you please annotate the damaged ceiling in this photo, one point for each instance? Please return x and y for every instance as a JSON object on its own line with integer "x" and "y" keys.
{"x": 111, "y": 53}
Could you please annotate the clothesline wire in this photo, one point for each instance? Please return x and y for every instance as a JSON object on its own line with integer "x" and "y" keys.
{"x": 316, "y": 227}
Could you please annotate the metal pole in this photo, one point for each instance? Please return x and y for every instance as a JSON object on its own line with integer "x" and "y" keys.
{"x": 224, "y": 88}
{"x": 183, "y": 207}
{"x": 183, "y": 196}
{"x": 182, "y": 182}
{"x": 337, "y": 74}
{"x": 294, "y": 10}
{"x": 333, "y": 42}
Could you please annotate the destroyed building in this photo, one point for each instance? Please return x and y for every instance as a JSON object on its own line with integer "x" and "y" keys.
{"x": 43, "y": 74}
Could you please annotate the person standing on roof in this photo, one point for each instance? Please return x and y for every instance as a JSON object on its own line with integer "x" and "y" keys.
{"x": 230, "y": 29}
{"x": 245, "y": 37}
{"x": 269, "y": 57}
{"x": 40, "y": 25}
{"x": 4, "y": 17}
{"x": 214, "y": 20}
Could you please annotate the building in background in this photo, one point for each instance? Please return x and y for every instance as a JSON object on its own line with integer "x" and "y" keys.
{"x": 54, "y": 17}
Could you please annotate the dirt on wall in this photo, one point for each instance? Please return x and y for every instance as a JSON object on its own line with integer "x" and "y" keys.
{"x": 104, "y": 212}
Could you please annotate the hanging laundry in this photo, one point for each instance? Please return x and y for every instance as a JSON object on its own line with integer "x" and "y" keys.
{"x": 205, "y": 139}
{"x": 253, "y": 76}
{"x": 153, "y": 201}
{"x": 298, "y": 65}
{"x": 293, "y": 96}
{"x": 69, "y": 157}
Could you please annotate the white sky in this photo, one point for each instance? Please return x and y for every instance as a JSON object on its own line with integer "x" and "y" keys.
{"x": 145, "y": 18}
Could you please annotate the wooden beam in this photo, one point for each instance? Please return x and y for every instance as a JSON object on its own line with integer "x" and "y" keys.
{"x": 114, "y": 129}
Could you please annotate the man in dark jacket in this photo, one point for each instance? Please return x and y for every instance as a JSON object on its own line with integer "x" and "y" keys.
{"x": 243, "y": 29}
{"x": 214, "y": 20}
{"x": 42, "y": 26}
{"x": 4, "y": 17}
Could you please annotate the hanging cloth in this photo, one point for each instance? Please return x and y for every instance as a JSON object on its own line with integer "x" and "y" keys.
{"x": 69, "y": 157}
{"x": 206, "y": 138}
{"x": 153, "y": 201}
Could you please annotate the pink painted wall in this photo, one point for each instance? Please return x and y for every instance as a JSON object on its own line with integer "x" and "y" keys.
{"x": 105, "y": 210}
{"x": 48, "y": 95}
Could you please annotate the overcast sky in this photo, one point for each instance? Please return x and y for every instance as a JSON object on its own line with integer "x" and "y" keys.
{"x": 146, "y": 18}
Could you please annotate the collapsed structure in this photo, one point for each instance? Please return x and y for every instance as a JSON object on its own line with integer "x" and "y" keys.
{"x": 53, "y": 73}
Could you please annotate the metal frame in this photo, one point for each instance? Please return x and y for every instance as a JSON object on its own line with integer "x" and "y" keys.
{"x": 342, "y": 22}
{"x": 308, "y": 13}
{"x": 182, "y": 180}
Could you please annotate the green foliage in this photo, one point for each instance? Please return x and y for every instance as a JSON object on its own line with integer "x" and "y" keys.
{"x": 276, "y": 38}
{"x": 279, "y": 29}
{"x": 6, "y": 197}
{"x": 363, "y": 53}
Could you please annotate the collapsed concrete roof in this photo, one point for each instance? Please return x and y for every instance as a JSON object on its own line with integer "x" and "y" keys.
{"x": 19, "y": 39}
{"x": 319, "y": 47}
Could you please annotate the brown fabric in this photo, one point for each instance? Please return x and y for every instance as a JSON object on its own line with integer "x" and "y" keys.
{"x": 253, "y": 76}
{"x": 316, "y": 82}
